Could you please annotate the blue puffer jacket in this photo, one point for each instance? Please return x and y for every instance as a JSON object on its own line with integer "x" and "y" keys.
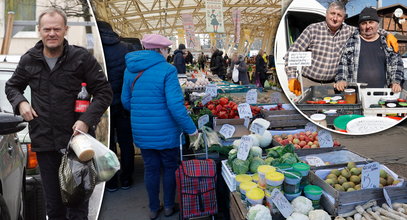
{"x": 156, "y": 103}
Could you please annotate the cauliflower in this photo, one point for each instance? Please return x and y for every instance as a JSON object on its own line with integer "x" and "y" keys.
{"x": 318, "y": 214}
{"x": 297, "y": 216}
{"x": 302, "y": 205}
{"x": 259, "y": 212}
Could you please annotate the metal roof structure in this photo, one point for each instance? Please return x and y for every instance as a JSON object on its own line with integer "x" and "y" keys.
{"x": 133, "y": 18}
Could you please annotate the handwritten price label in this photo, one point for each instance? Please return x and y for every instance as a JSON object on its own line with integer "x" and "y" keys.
{"x": 314, "y": 161}
{"x": 299, "y": 59}
{"x": 203, "y": 120}
{"x": 251, "y": 96}
{"x": 371, "y": 175}
{"x": 325, "y": 138}
{"x": 207, "y": 98}
{"x": 310, "y": 127}
{"x": 212, "y": 90}
{"x": 257, "y": 128}
{"x": 244, "y": 110}
{"x": 245, "y": 144}
{"x": 227, "y": 130}
{"x": 276, "y": 97}
{"x": 281, "y": 203}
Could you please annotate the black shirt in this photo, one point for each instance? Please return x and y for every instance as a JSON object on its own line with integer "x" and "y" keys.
{"x": 372, "y": 64}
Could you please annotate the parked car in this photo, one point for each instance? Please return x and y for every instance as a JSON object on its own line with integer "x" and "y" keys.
{"x": 33, "y": 199}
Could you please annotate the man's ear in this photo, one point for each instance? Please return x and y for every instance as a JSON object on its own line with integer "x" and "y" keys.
{"x": 66, "y": 30}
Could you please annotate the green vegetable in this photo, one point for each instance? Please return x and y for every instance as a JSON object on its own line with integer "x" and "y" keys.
{"x": 289, "y": 158}
{"x": 268, "y": 160}
{"x": 272, "y": 153}
{"x": 231, "y": 156}
{"x": 221, "y": 150}
{"x": 255, "y": 163}
{"x": 289, "y": 148}
{"x": 255, "y": 151}
{"x": 240, "y": 166}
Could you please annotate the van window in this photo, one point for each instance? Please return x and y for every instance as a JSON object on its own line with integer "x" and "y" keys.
{"x": 296, "y": 23}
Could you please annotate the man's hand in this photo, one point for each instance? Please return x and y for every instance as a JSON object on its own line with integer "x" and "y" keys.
{"x": 81, "y": 126}
{"x": 26, "y": 111}
{"x": 395, "y": 87}
{"x": 294, "y": 86}
{"x": 392, "y": 42}
{"x": 341, "y": 85}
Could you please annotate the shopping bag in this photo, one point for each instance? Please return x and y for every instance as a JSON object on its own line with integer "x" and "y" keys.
{"x": 235, "y": 74}
{"x": 77, "y": 179}
{"x": 105, "y": 160}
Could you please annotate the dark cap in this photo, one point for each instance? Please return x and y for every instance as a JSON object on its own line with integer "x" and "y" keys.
{"x": 181, "y": 47}
{"x": 368, "y": 14}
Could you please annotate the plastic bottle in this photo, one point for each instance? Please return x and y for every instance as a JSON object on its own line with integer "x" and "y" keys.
{"x": 82, "y": 100}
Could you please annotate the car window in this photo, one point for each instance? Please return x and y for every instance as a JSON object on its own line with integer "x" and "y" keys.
{"x": 5, "y": 74}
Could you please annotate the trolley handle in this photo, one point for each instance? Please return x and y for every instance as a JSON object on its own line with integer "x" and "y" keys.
{"x": 197, "y": 154}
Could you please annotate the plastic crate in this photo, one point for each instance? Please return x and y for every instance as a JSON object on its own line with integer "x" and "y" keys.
{"x": 228, "y": 176}
{"x": 371, "y": 96}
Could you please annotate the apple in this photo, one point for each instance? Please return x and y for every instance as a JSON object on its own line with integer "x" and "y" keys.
{"x": 310, "y": 143}
{"x": 314, "y": 133}
{"x": 296, "y": 141}
{"x": 302, "y": 137}
{"x": 306, "y": 147}
{"x": 302, "y": 143}
{"x": 314, "y": 146}
{"x": 297, "y": 146}
{"x": 308, "y": 133}
{"x": 336, "y": 143}
{"x": 279, "y": 139}
{"x": 290, "y": 139}
{"x": 316, "y": 143}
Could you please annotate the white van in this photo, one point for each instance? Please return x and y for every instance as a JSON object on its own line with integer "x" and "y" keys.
{"x": 295, "y": 19}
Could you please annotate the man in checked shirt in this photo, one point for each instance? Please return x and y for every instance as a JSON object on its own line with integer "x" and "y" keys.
{"x": 326, "y": 41}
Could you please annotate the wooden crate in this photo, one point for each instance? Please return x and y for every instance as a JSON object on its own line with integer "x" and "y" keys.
{"x": 237, "y": 209}
{"x": 284, "y": 119}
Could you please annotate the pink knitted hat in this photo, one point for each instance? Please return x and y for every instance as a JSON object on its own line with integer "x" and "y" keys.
{"x": 151, "y": 41}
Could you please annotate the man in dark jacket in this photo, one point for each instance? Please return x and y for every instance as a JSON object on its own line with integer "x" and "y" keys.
{"x": 260, "y": 69}
{"x": 120, "y": 127}
{"x": 54, "y": 70}
{"x": 218, "y": 64}
{"x": 179, "y": 59}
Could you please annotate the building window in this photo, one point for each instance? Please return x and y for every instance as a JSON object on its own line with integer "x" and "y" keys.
{"x": 23, "y": 9}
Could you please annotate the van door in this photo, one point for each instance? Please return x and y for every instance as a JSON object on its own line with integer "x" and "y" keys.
{"x": 295, "y": 19}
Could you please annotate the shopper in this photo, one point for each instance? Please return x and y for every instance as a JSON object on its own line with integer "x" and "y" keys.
{"x": 152, "y": 93}
{"x": 179, "y": 59}
{"x": 260, "y": 75}
{"x": 367, "y": 59}
{"x": 189, "y": 59}
{"x": 120, "y": 128}
{"x": 54, "y": 70}
{"x": 326, "y": 41}
{"x": 238, "y": 61}
{"x": 202, "y": 61}
{"x": 218, "y": 64}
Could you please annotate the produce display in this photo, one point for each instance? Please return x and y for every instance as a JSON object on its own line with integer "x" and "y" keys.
{"x": 199, "y": 83}
{"x": 227, "y": 109}
{"x": 349, "y": 178}
{"x": 301, "y": 140}
{"x": 371, "y": 210}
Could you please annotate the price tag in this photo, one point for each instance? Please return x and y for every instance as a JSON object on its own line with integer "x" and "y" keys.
{"x": 257, "y": 128}
{"x": 314, "y": 161}
{"x": 325, "y": 138}
{"x": 371, "y": 175}
{"x": 244, "y": 147}
{"x": 281, "y": 203}
{"x": 387, "y": 197}
{"x": 207, "y": 98}
{"x": 203, "y": 120}
{"x": 244, "y": 110}
{"x": 276, "y": 97}
{"x": 212, "y": 90}
{"x": 251, "y": 96}
{"x": 299, "y": 58}
{"x": 246, "y": 122}
{"x": 227, "y": 130}
{"x": 310, "y": 127}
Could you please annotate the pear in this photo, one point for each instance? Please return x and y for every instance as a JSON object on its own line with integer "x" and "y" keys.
{"x": 351, "y": 165}
{"x": 352, "y": 185}
{"x": 332, "y": 176}
{"x": 350, "y": 190}
{"x": 336, "y": 172}
{"x": 355, "y": 179}
{"x": 383, "y": 174}
{"x": 383, "y": 181}
{"x": 346, "y": 185}
{"x": 341, "y": 180}
{"x": 390, "y": 180}
{"x": 358, "y": 187}
{"x": 355, "y": 171}
{"x": 396, "y": 182}
{"x": 345, "y": 173}
{"x": 330, "y": 182}
{"x": 335, "y": 181}
{"x": 339, "y": 188}
{"x": 380, "y": 185}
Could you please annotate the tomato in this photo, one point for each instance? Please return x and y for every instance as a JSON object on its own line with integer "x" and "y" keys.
{"x": 213, "y": 112}
{"x": 223, "y": 114}
{"x": 223, "y": 101}
{"x": 234, "y": 107}
{"x": 311, "y": 102}
{"x": 218, "y": 108}
{"x": 211, "y": 107}
{"x": 401, "y": 100}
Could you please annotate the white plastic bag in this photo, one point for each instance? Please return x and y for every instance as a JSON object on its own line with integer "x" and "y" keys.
{"x": 105, "y": 160}
{"x": 235, "y": 74}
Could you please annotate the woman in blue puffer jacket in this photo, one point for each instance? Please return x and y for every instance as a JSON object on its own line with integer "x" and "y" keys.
{"x": 158, "y": 116}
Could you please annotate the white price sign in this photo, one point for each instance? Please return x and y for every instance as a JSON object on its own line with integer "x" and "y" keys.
{"x": 257, "y": 128}
{"x": 325, "y": 138}
{"x": 243, "y": 150}
{"x": 314, "y": 161}
{"x": 371, "y": 175}
{"x": 310, "y": 127}
{"x": 244, "y": 110}
{"x": 281, "y": 203}
{"x": 212, "y": 90}
{"x": 251, "y": 96}
{"x": 207, "y": 98}
{"x": 276, "y": 97}
{"x": 227, "y": 130}
{"x": 203, "y": 120}
{"x": 299, "y": 58}
{"x": 387, "y": 197}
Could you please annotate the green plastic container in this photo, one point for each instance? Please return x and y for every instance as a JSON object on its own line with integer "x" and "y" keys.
{"x": 340, "y": 122}
{"x": 303, "y": 168}
{"x": 284, "y": 167}
{"x": 313, "y": 193}
{"x": 292, "y": 181}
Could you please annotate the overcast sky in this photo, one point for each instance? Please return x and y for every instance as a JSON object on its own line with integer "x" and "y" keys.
{"x": 355, "y": 6}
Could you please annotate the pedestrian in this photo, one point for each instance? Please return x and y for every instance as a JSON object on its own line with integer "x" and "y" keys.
{"x": 218, "y": 64}
{"x": 202, "y": 61}
{"x": 120, "y": 129}
{"x": 260, "y": 75}
{"x": 54, "y": 70}
{"x": 189, "y": 58}
{"x": 326, "y": 41}
{"x": 368, "y": 59}
{"x": 238, "y": 61}
{"x": 179, "y": 59}
{"x": 153, "y": 95}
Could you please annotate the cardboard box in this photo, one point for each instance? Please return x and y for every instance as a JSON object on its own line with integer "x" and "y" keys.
{"x": 240, "y": 129}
